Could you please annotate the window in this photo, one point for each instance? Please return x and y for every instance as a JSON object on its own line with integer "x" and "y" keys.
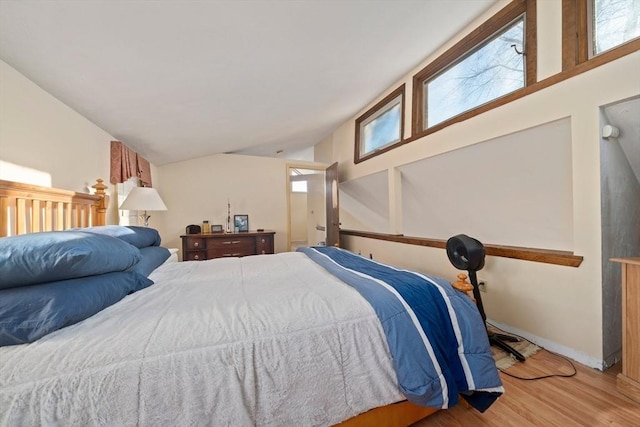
{"x": 598, "y": 31}
{"x": 494, "y": 69}
{"x": 299, "y": 186}
{"x": 614, "y": 22}
{"x": 496, "y": 59}
{"x": 380, "y": 128}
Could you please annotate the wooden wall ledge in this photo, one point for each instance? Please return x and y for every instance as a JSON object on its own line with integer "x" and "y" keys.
{"x": 546, "y": 256}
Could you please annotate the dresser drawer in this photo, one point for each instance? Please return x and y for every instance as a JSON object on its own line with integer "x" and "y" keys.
{"x": 195, "y": 256}
{"x": 195, "y": 243}
{"x": 264, "y": 244}
{"x": 232, "y": 242}
{"x": 232, "y": 251}
{"x": 231, "y": 246}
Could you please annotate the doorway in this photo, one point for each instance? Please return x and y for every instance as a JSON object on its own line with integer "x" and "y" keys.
{"x": 620, "y": 211}
{"x": 306, "y": 201}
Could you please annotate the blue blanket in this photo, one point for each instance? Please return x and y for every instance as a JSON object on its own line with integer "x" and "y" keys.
{"x": 435, "y": 334}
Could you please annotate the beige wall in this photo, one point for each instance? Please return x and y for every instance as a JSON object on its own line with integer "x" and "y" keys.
{"x": 198, "y": 189}
{"x": 323, "y": 151}
{"x": 45, "y": 142}
{"x": 40, "y": 133}
{"x": 561, "y": 307}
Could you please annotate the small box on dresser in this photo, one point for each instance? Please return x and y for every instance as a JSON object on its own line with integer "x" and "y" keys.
{"x": 199, "y": 247}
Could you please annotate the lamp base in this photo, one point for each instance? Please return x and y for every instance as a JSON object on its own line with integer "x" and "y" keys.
{"x": 145, "y": 218}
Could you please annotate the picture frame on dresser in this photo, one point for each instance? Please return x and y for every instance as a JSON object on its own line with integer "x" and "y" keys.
{"x": 241, "y": 223}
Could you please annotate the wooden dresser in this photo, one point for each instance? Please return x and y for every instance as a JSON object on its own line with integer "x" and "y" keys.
{"x": 629, "y": 378}
{"x": 198, "y": 247}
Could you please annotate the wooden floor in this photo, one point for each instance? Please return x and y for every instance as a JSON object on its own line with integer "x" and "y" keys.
{"x": 589, "y": 399}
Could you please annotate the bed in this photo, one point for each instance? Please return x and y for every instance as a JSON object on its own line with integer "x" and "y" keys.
{"x": 299, "y": 338}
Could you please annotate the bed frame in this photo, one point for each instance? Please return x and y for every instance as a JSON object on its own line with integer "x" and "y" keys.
{"x": 397, "y": 414}
{"x": 26, "y": 208}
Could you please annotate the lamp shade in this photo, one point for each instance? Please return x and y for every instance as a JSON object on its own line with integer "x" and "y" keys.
{"x": 143, "y": 199}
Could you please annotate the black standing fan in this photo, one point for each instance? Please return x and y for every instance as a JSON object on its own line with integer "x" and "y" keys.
{"x": 466, "y": 253}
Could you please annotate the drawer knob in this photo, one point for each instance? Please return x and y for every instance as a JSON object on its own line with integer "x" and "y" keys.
{"x": 262, "y": 240}
{"x": 196, "y": 244}
{"x": 196, "y": 257}
{"x": 263, "y": 252}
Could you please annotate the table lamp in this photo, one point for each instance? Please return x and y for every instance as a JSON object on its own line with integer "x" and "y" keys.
{"x": 143, "y": 199}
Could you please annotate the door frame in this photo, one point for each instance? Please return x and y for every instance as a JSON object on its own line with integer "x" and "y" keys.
{"x": 332, "y": 205}
{"x": 292, "y": 165}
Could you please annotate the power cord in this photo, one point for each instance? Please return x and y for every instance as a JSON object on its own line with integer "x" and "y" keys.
{"x": 548, "y": 351}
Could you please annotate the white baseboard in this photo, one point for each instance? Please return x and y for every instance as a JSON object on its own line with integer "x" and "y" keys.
{"x": 578, "y": 356}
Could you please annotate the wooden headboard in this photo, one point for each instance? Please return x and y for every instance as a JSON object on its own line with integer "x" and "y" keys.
{"x": 26, "y": 208}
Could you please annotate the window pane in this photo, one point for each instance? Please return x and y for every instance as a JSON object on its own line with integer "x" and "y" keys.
{"x": 299, "y": 186}
{"x": 614, "y": 22}
{"x": 383, "y": 130}
{"x": 494, "y": 70}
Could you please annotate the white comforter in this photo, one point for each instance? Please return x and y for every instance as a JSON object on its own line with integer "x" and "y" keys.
{"x": 262, "y": 340}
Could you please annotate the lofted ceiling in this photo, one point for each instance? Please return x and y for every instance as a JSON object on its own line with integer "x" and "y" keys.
{"x": 176, "y": 80}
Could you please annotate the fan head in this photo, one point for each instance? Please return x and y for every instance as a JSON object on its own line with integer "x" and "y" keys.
{"x": 465, "y": 253}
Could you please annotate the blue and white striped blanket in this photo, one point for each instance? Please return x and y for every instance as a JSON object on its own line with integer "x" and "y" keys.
{"x": 435, "y": 334}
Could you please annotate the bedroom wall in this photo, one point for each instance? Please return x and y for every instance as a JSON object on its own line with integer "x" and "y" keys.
{"x": 560, "y": 307}
{"x": 39, "y": 132}
{"x": 536, "y": 212}
{"x": 198, "y": 189}
{"x": 323, "y": 151}
{"x": 364, "y": 203}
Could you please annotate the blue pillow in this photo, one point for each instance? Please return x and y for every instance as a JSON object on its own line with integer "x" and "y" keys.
{"x": 59, "y": 255}
{"x": 140, "y": 237}
{"x": 31, "y": 312}
{"x": 152, "y": 258}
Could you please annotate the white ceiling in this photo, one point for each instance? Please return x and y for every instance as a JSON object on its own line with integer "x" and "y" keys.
{"x": 176, "y": 80}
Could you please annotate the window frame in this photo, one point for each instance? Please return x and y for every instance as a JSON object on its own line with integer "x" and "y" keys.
{"x": 575, "y": 61}
{"x": 506, "y": 16}
{"x": 374, "y": 112}
{"x": 431, "y": 84}
{"x": 576, "y": 38}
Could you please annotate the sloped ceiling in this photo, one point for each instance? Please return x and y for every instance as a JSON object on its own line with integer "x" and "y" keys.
{"x": 183, "y": 79}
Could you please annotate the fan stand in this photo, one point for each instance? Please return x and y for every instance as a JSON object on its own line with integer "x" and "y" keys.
{"x": 497, "y": 340}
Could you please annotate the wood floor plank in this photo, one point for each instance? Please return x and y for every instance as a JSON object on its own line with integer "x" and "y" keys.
{"x": 589, "y": 398}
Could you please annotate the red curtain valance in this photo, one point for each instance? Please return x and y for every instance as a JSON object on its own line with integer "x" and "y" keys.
{"x": 126, "y": 163}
